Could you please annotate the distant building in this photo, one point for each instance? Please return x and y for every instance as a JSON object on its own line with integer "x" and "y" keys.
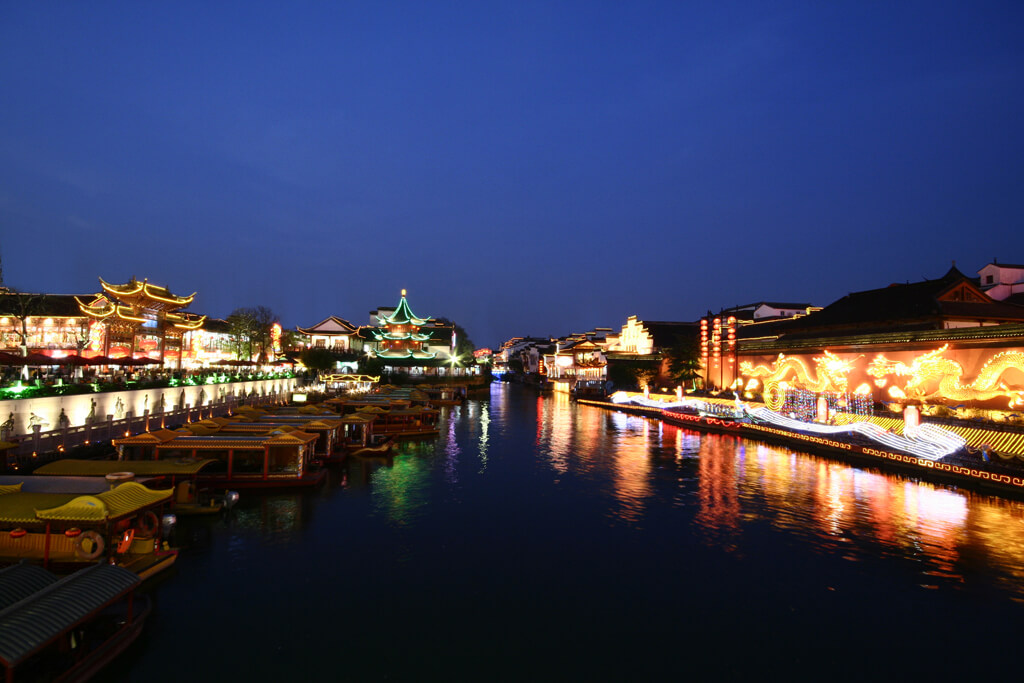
{"x": 648, "y": 342}
{"x": 334, "y": 334}
{"x": 767, "y": 310}
{"x": 577, "y": 366}
{"x": 1003, "y": 282}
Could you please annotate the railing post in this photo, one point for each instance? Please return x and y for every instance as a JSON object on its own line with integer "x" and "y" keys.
{"x": 110, "y": 427}
{"x": 35, "y": 438}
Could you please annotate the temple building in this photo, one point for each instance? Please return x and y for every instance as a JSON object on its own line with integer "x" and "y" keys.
{"x": 138, "y": 320}
{"x": 401, "y": 335}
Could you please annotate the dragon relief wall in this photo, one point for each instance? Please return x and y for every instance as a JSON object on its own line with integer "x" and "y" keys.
{"x": 973, "y": 377}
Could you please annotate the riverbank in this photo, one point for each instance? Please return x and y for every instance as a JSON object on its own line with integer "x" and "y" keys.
{"x": 960, "y": 469}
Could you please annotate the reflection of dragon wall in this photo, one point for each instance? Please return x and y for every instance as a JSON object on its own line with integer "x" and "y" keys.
{"x": 831, "y": 375}
{"x": 947, "y": 376}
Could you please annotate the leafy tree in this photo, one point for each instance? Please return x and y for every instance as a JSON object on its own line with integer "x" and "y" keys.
{"x": 684, "y": 359}
{"x": 321, "y": 360}
{"x": 241, "y": 323}
{"x": 629, "y": 374}
{"x": 250, "y": 331}
{"x": 464, "y": 346}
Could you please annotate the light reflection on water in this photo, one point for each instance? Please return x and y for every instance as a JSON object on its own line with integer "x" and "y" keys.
{"x": 535, "y": 533}
{"x": 949, "y": 534}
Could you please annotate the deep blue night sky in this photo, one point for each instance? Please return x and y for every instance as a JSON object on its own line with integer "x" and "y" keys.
{"x": 523, "y": 168}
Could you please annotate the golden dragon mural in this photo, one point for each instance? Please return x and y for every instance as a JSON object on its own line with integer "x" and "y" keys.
{"x": 947, "y": 375}
{"x": 831, "y": 375}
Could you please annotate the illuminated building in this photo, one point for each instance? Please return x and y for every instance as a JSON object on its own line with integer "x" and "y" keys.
{"x": 334, "y": 334}
{"x": 529, "y": 351}
{"x": 935, "y": 343}
{"x": 647, "y": 341}
{"x": 53, "y": 322}
{"x": 401, "y": 335}
{"x": 578, "y": 366}
{"x": 139, "y": 320}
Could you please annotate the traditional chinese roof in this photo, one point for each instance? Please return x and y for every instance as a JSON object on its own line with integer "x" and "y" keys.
{"x": 332, "y": 325}
{"x": 403, "y": 315}
{"x": 124, "y": 500}
{"x": 912, "y": 306}
{"x": 32, "y": 508}
{"x": 147, "y": 295}
{"x": 100, "y": 307}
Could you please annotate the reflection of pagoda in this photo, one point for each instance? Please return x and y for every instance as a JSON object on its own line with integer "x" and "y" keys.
{"x": 140, "y": 320}
{"x": 400, "y": 335}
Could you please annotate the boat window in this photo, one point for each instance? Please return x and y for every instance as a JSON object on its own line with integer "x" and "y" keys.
{"x": 247, "y": 462}
{"x": 284, "y": 460}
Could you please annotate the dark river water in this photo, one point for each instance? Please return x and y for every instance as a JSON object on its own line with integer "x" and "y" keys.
{"x": 536, "y": 539}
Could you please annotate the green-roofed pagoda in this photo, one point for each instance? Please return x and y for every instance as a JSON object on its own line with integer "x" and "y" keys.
{"x": 402, "y": 334}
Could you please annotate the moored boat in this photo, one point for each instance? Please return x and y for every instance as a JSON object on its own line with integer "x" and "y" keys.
{"x": 66, "y": 629}
{"x": 65, "y": 531}
{"x": 252, "y": 461}
{"x": 179, "y": 475}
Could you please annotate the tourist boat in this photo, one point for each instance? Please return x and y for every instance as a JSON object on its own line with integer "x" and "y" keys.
{"x": 66, "y": 629}
{"x": 179, "y": 475}
{"x": 405, "y": 423}
{"x": 124, "y": 525}
{"x": 328, "y": 428}
{"x": 275, "y": 460}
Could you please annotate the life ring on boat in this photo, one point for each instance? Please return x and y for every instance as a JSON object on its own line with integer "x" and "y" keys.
{"x": 73, "y": 532}
{"x": 118, "y": 478}
{"x": 95, "y": 548}
{"x": 147, "y": 523}
{"x": 126, "y": 541}
{"x": 18, "y": 533}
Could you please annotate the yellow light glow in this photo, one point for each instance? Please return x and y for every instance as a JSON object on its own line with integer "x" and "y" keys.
{"x": 863, "y": 389}
{"x": 933, "y": 376}
{"x": 896, "y": 392}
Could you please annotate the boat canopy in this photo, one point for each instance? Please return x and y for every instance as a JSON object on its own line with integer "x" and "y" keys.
{"x": 37, "y": 620}
{"x": 101, "y": 468}
{"x": 34, "y": 508}
{"x": 21, "y": 580}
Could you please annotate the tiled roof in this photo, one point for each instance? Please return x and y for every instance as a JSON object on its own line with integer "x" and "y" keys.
{"x": 906, "y": 306}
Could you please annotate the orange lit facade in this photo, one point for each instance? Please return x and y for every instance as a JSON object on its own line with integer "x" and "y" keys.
{"x": 138, "y": 320}
{"x": 943, "y": 345}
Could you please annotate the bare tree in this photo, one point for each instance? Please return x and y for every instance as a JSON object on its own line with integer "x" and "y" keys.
{"x": 241, "y": 323}
{"x": 263, "y": 320}
{"x": 21, "y": 306}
